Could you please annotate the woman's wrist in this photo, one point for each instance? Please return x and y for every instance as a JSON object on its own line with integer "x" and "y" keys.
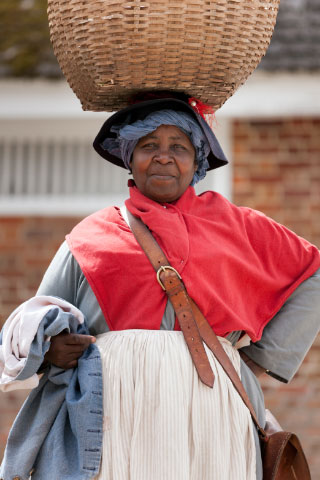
{"x": 43, "y": 366}
{"x": 257, "y": 369}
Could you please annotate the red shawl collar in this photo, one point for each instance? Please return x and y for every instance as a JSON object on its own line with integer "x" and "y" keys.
{"x": 237, "y": 264}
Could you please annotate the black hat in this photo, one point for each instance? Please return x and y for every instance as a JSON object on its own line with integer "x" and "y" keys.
{"x": 138, "y": 111}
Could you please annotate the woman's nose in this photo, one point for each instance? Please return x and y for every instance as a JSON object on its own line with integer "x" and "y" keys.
{"x": 163, "y": 156}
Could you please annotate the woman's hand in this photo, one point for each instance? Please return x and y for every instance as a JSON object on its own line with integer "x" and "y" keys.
{"x": 66, "y": 348}
{"x": 257, "y": 370}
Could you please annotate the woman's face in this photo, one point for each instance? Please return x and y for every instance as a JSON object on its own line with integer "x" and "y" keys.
{"x": 163, "y": 164}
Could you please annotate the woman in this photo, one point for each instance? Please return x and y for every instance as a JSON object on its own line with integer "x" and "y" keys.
{"x": 160, "y": 421}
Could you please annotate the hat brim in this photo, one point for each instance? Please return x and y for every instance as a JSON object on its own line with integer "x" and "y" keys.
{"x": 139, "y": 111}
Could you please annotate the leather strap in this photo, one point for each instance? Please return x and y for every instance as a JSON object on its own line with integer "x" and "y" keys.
{"x": 193, "y": 324}
{"x": 178, "y": 296}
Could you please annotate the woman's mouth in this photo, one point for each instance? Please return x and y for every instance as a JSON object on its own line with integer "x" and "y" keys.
{"x": 162, "y": 176}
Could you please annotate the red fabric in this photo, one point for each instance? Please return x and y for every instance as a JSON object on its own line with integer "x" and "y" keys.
{"x": 237, "y": 264}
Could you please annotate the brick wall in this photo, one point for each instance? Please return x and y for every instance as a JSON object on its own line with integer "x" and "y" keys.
{"x": 27, "y": 245}
{"x": 276, "y": 170}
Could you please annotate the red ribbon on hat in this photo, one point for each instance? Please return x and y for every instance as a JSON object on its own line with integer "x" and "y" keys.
{"x": 206, "y": 111}
{"x": 200, "y": 107}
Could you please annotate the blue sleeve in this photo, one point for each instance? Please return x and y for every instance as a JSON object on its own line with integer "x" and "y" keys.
{"x": 65, "y": 279}
{"x": 63, "y": 276}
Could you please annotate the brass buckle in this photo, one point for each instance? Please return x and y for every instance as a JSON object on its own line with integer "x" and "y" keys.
{"x": 163, "y": 269}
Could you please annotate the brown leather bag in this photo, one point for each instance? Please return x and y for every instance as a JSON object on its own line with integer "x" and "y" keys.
{"x": 282, "y": 454}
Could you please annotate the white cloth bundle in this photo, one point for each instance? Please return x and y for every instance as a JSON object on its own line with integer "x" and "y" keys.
{"x": 18, "y": 334}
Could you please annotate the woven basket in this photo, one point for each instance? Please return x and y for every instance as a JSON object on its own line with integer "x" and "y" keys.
{"x": 111, "y": 49}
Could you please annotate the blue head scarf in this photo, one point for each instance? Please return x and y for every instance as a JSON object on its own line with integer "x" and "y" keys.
{"x": 128, "y": 136}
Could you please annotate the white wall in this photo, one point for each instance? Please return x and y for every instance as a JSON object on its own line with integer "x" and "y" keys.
{"x": 47, "y": 116}
{"x": 48, "y": 113}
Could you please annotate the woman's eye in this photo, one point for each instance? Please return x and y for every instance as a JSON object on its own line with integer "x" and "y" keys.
{"x": 149, "y": 145}
{"x": 178, "y": 146}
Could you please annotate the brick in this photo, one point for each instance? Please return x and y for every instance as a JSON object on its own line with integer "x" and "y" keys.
{"x": 263, "y": 124}
{"x": 264, "y": 149}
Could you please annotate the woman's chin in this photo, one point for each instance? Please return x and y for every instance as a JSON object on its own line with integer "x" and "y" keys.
{"x": 162, "y": 189}
{"x": 163, "y": 195}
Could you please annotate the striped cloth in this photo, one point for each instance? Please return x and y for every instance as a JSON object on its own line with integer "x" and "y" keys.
{"x": 161, "y": 422}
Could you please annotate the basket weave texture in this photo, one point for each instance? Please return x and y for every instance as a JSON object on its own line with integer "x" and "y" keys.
{"x": 109, "y": 50}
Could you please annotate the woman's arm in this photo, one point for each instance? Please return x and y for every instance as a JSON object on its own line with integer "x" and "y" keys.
{"x": 64, "y": 279}
{"x": 257, "y": 370}
{"x": 63, "y": 276}
{"x": 289, "y": 335}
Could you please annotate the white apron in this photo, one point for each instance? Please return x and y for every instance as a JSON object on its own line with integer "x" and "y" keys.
{"x": 161, "y": 422}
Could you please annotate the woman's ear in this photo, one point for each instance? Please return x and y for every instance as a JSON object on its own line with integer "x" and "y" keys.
{"x": 195, "y": 165}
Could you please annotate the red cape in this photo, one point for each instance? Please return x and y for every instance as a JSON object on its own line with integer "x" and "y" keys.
{"x": 237, "y": 264}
